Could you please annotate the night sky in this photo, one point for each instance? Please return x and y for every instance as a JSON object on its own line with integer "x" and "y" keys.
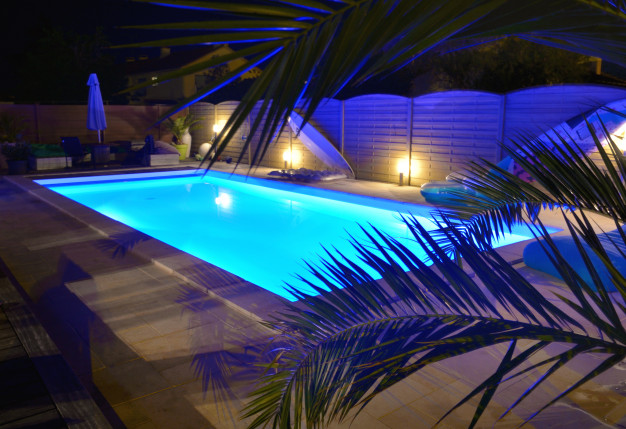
{"x": 23, "y": 18}
{"x": 22, "y": 21}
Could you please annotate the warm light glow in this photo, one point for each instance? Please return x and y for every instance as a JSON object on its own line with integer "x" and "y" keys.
{"x": 414, "y": 167}
{"x": 223, "y": 200}
{"x": 287, "y": 156}
{"x": 218, "y": 127}
{"x": 296, "y": 156}
{"x": 403, "y": 166}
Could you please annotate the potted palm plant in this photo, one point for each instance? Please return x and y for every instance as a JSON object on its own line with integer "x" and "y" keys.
{"x": 179, "y": 127}
{"x": 11, "y": 127}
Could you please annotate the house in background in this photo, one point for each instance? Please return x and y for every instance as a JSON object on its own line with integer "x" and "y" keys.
{"x": 143, "y": 68}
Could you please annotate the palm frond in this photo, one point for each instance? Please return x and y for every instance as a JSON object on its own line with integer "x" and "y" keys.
{"x": 353, "y": 336}
{"x": 564, "y": 175}
{"x": 311, "y": 49}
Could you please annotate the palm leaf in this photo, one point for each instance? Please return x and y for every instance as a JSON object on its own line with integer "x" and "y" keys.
{"x": 351, "y": 343}
{"x": 374, "y": 340}
{"x": 564, "y": 176}
{"x": 326, "y": 45}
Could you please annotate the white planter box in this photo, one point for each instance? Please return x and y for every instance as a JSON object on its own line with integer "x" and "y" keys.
{"x": 163, "y": 159}
{"x": 54, "y": 163}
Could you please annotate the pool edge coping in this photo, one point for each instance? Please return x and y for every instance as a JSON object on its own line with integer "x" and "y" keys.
{"x": 162, "y": 255}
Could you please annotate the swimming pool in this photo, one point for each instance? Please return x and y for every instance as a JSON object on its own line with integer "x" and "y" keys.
{"x": 258, "y": 229}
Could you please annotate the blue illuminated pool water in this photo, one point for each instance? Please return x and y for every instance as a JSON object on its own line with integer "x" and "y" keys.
{"x": 257, "y": 229}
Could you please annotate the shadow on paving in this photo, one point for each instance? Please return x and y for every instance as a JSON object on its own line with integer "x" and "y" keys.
{"x": 70, "y": 325}
{"x": 114, "y": 374}
{"x": 227, "y": 373}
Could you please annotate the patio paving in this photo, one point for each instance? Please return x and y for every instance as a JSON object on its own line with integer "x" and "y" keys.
{"x": 144, "y": 327}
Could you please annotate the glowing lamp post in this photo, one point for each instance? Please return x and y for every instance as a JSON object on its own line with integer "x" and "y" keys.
{"x": 286, "y": 157}
{"x": 403, "y": 168}
{"x": 217, "y": 128}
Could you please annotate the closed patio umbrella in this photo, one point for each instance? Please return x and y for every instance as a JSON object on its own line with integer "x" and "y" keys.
{"x": 95, "y": 109}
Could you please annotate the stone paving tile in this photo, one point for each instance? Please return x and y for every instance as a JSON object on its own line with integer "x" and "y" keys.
{"x": 171, "y": 408}
{"x": 92, "y": 259}
{"x": 617, "y": 415}
{"x": 383, "y": 404}
{"x": 173, "y": 318}
{"x": 409, "y": 417}
{"x": 156, "y": 272}
{"x": 434, "y": 406}
{"x": 110, "y": 350}
{"x": 135, "y": 280}
{"x": 207, "y": 338}
{"x": 55, "y": 240}
{"x": 98, "y": 290}
{"x": 132, "y": 416}
{"x": 221, "y": 408}
{"x": 128, "y": 381}
{"x": 410, "y": 390}
{"x": 137, "y": 333}
{"x": 194, "y": 301}
{"x": 178, "y": 371}
{"x": 363, "y": 421}
{"x": 124, "y": 316}
{"x": 562, "y": 415}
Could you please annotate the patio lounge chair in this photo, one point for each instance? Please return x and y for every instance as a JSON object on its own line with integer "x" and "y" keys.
{"x": 73, "y": 150}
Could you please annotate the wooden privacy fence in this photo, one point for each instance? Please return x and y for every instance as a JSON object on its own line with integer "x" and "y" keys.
{"x": 48, "y": 123}
{"x": 437, "y": 133}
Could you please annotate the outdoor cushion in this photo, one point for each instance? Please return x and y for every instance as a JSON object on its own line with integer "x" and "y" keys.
{"x": 535, "y": 257}
{"x": 164, "y": 147}
{"x": 41, "y": 150}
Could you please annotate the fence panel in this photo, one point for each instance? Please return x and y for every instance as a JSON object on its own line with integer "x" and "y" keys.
{"x": 451, "y": 128}
{"x": 376, "y": 135}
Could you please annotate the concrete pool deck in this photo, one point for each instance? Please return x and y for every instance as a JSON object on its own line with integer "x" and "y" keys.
{"x": 142, "y": 325}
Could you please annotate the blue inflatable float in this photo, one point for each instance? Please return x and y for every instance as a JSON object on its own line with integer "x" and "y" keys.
{"x": 445, "y": 193}
{"x": 535, "y": 257}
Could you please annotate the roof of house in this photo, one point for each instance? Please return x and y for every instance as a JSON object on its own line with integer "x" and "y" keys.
{"x": 177, "y": 59}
